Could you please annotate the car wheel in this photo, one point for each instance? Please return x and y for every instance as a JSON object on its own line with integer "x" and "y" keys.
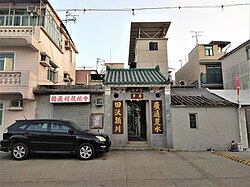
{"x": 85, "y": 151}
{"x": 19, "y": 151}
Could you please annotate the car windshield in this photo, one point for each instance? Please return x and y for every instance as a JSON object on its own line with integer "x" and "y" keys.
{"x": 76, "y": 126}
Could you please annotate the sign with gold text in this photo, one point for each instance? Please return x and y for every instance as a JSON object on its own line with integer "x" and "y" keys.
{"x": 117, "y": 117}
{"x": 157, "y": 117}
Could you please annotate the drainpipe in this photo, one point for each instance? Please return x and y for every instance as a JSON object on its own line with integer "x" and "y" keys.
{"x": 239, "y": 123}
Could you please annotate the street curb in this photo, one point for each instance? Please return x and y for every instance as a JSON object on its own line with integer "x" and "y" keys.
{"x": 234, "y": 158}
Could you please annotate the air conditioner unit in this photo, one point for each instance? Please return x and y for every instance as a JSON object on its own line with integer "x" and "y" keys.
{"x": 44, "y": 60}
{"x": 67, "y": 45}
{"x": 183, "y": 82}
{"x": 99, "y": 102}
{"x": 44, "y": 63}
{"x": 33, "y": 9}
{"x": 67, "y": 77}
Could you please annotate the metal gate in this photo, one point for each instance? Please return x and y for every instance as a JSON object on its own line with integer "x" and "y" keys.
{"x": 78, "y": 113}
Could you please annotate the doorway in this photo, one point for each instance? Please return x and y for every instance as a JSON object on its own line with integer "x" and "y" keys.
{"x": 136, "y": 115}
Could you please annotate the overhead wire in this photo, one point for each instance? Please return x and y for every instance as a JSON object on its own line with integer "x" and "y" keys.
{"x": 151, "y": 8}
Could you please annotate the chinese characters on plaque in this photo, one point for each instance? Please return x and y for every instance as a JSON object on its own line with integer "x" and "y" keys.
{"x": 157, "y": 117}
{"x": 117, "y": 117}
{"x": 73, "y": 98}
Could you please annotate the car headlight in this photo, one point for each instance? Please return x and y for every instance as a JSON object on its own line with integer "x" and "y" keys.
{"x": 5, "y": 130}
{"x": 101, "y": 139}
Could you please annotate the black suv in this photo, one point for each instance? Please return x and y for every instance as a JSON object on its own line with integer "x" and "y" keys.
{"x": 52, "y": 136}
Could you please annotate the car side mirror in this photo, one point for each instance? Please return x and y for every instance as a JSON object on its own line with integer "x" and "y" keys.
{"x": 71, "y": 131}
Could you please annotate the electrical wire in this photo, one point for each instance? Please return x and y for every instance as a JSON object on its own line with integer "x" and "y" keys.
{"x": 151, "y": 8}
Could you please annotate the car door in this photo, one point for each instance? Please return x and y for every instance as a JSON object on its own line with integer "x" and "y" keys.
{"x": 61, "y": 137}
{"x": 37, "y": 134}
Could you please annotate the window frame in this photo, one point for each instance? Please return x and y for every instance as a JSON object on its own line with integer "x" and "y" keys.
{"x": 52, "y": 73}
{"x": 10, "y": 56}
{"x": 248, "y": 52}
{"x": 153, "y": 46}
{"x": 19, "y": 103}
{"x": 60, "y": 124}
{"x": 191, "y": 121}
{"x": 37, "y": 130}
{"x": 208, "y": 50}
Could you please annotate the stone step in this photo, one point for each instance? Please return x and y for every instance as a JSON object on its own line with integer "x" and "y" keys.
{"x": 134, "y": 146}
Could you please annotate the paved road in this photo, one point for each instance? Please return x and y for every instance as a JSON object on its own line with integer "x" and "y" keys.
{"x": 125, "y": 168}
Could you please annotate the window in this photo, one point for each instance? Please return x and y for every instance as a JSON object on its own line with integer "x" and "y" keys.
{"x": 16, "y": 103}
{"x": 52, "y": 74}
{"x": 153, "y": 46}
{"x": 213, "y": 75}
{"x": 6, "y": 61}
{"x": 22, "y": 127}
{"x": 209, "y": 50}
{"x": 53, "y": 29}
{"x": 38, "y": 127}
{"x": 57, "y": 127}
{"x": 70, "y": 56}
{"x": 248, "y": 53}
{"x": 193, "y": 121}
{"x": 1, "y": 113}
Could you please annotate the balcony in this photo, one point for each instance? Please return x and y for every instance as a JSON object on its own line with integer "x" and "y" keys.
{"x": 12, "y": 82}
{"x": 211, "y": 81}
{"x": 19, "y": 36}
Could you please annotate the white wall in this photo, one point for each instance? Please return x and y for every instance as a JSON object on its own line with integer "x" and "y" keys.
{"x": 216, "y": 128}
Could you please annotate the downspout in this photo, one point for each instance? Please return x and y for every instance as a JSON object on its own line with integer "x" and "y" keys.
{"x": 239, "y": 123}
{"x": 240, "y": 144}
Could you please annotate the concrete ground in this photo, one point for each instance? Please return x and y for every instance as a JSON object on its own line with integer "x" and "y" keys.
{"x": 126, "y": 168}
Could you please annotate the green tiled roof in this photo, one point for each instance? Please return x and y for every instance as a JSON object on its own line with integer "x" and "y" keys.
{"x": 134, "y": 77}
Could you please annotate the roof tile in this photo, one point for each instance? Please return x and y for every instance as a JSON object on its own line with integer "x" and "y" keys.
{"x": 134, "y": 77}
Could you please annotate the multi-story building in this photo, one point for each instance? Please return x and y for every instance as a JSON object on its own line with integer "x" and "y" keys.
{"x": 148, "y": 46}
{"x": 203, "y": 68}
{"x": 137, "y": 100}
{"x": 35, "y": 49}
{"x": 237, "y": 63}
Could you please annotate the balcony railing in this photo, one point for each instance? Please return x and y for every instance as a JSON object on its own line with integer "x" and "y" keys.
{"x": 10, "y": 78}
{"x": 211, "y": 79}
{"x": 15, "y": 31}
{"x": 18, "y": 82}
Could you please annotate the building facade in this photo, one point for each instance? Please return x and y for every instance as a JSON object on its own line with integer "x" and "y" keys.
{"x": 237, "y": 63}
{"x": 82, "y": 104}
{"x": 35, "y": 49}
{"x": 203, "y": 68}
{"x": 148, "y": 46}
{"x": 203, "y": 121}
{"x": 137, "y": 107}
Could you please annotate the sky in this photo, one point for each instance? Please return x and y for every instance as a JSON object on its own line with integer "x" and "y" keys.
{"x": 106, "y": 35}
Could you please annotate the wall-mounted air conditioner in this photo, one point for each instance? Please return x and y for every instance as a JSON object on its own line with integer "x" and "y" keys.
{"x": 99, "y": 102}
{"x": 33, "y": 9}
{"x": 67, "y": 45}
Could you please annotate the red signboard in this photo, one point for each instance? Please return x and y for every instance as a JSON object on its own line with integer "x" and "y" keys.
{"x": 157, "y": 122}
{"x": 117, "y": 117}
